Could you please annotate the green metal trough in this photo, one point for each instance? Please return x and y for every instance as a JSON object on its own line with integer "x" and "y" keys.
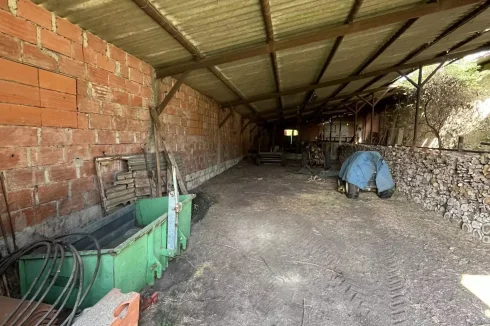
{"x": 134, "y": 250}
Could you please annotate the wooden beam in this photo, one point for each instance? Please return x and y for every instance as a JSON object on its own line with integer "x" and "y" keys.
{"x": 157, "y": 16}
{"x": 225, "y": 119}
{"x": 245, "y": 126}
{"x": 269, "y": 32}
{"x": 172, "y": 92}
{"x": 350, "y": 18}
{"x": 416, "y": 11}
{"x": 169, "y": 156}
{"x": 370, "y": 74}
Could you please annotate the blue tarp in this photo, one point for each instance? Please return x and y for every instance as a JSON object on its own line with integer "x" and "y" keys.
{"x": 359, "y": 168}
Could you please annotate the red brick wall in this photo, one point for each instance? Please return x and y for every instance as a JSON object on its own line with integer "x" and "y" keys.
{"x": 66, "y": 96}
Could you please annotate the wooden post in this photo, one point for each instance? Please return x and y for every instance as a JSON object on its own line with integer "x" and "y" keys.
{"x": 372, "y": 118}
{"x": 355, "y": 124}
{"x": 460, "y": 143}
{"x": 417, "y": 109}
{"x": 157, "y": 160}
{"x": 340, "y": 130}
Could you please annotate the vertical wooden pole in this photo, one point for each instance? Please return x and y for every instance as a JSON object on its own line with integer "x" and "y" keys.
{"x": 460, "y": 143}
{"x": 157, "y": 160}
{"x": 417, "y": 109}
{"x": 356, "y": 139}
{"x": 372, "y": 118}
{"x": 340, "y": 130}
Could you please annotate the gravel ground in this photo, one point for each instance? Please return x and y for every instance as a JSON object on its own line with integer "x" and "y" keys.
{"x": 277, "y": 249}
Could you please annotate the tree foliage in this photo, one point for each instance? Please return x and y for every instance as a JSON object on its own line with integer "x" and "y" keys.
{"x": 447, "y": 106}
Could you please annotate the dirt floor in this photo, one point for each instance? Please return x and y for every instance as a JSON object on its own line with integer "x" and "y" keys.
{"x": 277, "y": 249}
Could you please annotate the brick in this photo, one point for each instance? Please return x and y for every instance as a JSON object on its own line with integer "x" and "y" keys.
{"x": 18, "y": 136}
{"x": 136, "y": 101}
{"x": 82, "y": 121}
{"x": 90, "y": 56}
{"x": 9, "y": 47}
{"x": 55, "y": 42}
{"x": 133, "y": 62}
{"x": 15, "y": 93}
{"x": 88, "y": 105}
{"x": 134, "y": 125}
{"x": 34, "y": 13}
{"x": 18, "y": 200}
{"x": 52, "y": 192}
{"x": 120, "y": 123}
{"x": 88, "y": 168}
{"x": 92, "y": 198}
{"x": 106, "y": 63}
{"x": 120, "y": 97}
{"x": 24, "y": 178}
{"x": 59, "y": 118}
{"x": 77, "y": 52}
{"x": 98, "y": 75}
{"x": 126, "y": 137}
{"x": 96, "y": 43}
{"x": 128, "y": 112}
{"x": 135, "y": 75}
{"x": 70, "y": 205}
{"x": 117, "y": 54}
{"x": 83, "y": 88}
{"x": 74, "y": 152}
{"x": 101, "y": 92}
{"x": 147, "y": 80}
{"x": 147, "y": 69}
{"x": 62, "y": 173}
{"x": 55, "y": 136}
{"x": 68, "y": 30}
{"x": 35, "y": 215}
{"x": 146, "y": 92}
{"x": 117, "y": 82}
{"x": 124, "y": 71}
{"x": 17, "y": 27}
{"x": 133, "y": 87}
{"x": 42, "y": 156}
{"x": 57, "y": 100}
{"x": 106, "y": 137}
{"x": 82, "y": 185}
{"x": 11, "y": 114}
{"x": 4, "y": 5}
{"x": 111, "y": 109}
{"x": 98, "y": 121}
{"x": 11, "y": 158}
{"x": 72, "y": 67}
{"x": 36, "y": 57}
{"x": 83, "y": 137}
{"x": 101, "y": 150}
{"x": 17, "y": 72}
{"x": 57, "y": 82}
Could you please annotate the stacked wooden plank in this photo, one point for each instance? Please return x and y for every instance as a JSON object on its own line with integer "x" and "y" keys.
{"x": 139, "y": 181}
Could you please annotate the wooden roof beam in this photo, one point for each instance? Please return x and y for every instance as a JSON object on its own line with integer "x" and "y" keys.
{"x": 316, "y": 36}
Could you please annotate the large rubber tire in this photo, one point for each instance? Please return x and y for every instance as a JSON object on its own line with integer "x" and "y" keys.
{"x": 386, "y": 194}
{"x": 351, "y": 191}
{"x": 340, "y": 185}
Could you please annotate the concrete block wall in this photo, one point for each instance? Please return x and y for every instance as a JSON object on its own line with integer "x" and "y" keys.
{"x": 456, "y": 184}
{"x": 67, "y": 96}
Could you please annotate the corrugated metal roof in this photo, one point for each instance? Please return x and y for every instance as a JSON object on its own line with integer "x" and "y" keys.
{"x": 123, "y": 24}
{"x": 213, "y": 25}
{"x": 296, "y": 16}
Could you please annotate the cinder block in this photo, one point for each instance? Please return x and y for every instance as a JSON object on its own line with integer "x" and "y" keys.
{"x": 52, "y": 192}
{"x": 59, "y": 118}
{"x": 11, "y": 114}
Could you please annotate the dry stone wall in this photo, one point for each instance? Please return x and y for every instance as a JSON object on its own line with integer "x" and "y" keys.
{"x": 454, "y": 183}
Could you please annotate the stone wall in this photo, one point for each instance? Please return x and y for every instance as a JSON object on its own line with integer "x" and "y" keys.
{"x": 67, "y": 96}
{"x": 454, "y": 183}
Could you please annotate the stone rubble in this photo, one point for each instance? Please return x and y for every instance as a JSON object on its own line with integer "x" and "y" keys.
{"x": 454, "y": 183}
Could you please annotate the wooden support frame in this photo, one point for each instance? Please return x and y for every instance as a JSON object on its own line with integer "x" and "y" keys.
{"x": 221, "y": 124}
{"x": 370, "y": 74}
{"x": 168, "y": 155}
{"x": 416, "y": 11}
{"x": 172, "y": 92}
{"x": 245, "y": 126}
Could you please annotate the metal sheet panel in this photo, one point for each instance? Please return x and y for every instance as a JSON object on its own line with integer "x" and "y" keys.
{"x": 267, "y": 105}
{"x": 294, "y": 100}
{"x": 325, "y": 92}
{"x": 355, "y": 49}
{"x": 300, "y": 66}
{"x": 252, "y": 76}
{"x": 375, "y": 7}
{"x": 297, "y": 16}
{"x": 207, "y": 83}
{"x": 213, "y": 25}
{"x": 124, "y": 24}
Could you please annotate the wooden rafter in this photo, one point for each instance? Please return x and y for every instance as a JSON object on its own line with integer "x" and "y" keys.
{"x": 319, "y": 35}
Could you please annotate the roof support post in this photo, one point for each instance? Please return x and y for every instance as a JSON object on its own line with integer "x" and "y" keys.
{"x": 245, "y": 126}
{"x": 172, "y": 92}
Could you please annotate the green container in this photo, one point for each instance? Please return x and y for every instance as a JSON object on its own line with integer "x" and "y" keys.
{"x": 134, "y": 242}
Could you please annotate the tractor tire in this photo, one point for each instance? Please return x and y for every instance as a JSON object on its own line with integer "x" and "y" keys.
{"x": 386, "y": 194}
{"x": 351, "y": 191}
